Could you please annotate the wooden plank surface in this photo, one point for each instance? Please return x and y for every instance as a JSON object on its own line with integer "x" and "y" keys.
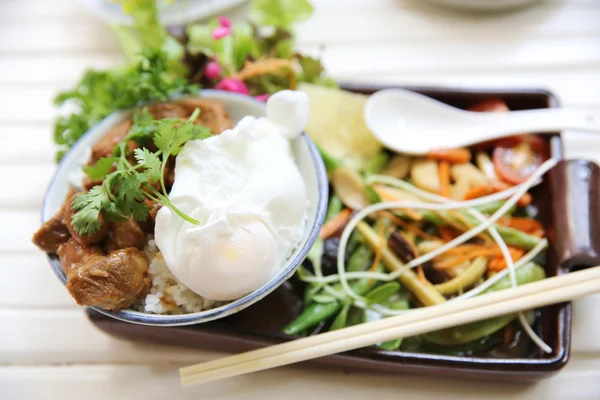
{"x": 48, "y": 349}
{"x": 160, "y": 381}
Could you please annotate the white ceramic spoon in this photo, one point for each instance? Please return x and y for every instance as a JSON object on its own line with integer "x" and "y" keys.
{"x": 408, "y": 122}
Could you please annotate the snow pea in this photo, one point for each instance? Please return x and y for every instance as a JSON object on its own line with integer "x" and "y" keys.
{"x": 477, "y": 330}
{"x": 334, "y": 207}
{"x": 318, "y": 312}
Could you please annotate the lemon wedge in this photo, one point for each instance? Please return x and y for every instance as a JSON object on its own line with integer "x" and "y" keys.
{"x": 336, "y": 124}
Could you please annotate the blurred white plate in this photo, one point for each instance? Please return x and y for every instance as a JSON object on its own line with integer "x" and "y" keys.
{"x": 484, "y": 5}
{"x": 173, "y": 12}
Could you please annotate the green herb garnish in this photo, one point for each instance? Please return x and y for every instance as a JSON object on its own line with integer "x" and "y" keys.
{"x": 123, "y": 191}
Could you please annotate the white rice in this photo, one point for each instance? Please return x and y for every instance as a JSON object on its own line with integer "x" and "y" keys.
{"x": 167, "y": 295}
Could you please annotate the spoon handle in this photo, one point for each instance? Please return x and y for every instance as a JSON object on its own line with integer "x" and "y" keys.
{"x": 541, "y": 121}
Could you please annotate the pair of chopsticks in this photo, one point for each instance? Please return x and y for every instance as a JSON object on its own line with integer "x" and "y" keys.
{"x": 452, "y": 313}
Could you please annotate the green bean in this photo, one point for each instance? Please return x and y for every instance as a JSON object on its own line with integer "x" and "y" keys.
{"x": 477, "y": 330}
{"x": 424, "y": 291}
{"x": 353, "y": 242}
{"x": 490, "y": 208}
{"x": 308, "y": 295}
{"x": 396, "y": 302}
{"x": 517, "y": 238}
{"x": 360, "y": 259}
{"x": 310, "y": 317}
{"x": 469, "y": 332}
{"x": 465, "y": 279}
{"x": 334, "y": 207}
{"x": 526, "y": 274}
{"x": 356, "y": 316}
{"x": 317, "y": 312}
{"x": 512, "y": 236}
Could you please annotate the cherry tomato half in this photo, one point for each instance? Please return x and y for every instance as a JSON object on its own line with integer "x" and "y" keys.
{"x": 515, "y": 163}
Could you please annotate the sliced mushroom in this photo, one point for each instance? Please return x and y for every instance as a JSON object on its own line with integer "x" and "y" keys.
{"x": 485, "y": 164}
{"x": 424, "y": 174}
{"x": 401, "y": 247}
{"x": 350, "y": 188}
{"x": 398, "y": 167}
{"x": 459, "y": 189}
{"x": 470, "y": 173}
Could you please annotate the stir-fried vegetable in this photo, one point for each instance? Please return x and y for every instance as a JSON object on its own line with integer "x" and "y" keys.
{"x": 433, "y": 252}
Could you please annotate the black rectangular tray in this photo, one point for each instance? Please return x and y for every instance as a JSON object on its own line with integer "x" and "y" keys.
{"x": 567, "y": 200}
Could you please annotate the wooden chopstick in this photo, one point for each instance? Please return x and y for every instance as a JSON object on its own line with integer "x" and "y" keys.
{"x": 548, "y": 291}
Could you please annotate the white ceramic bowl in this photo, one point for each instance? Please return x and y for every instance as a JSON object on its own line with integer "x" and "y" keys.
{"x": 307, "y": 158}
{"x": 484, "y": 5}
{"x": 170, "y": 12}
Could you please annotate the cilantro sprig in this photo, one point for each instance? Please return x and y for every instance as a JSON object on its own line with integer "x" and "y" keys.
{"x": 123, "y": 191}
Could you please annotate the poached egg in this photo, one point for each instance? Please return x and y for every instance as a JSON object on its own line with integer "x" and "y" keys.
{"x": 246, "y": 190}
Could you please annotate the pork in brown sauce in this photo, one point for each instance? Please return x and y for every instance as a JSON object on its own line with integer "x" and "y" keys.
{"x": 72, "y": 253}
{"x": 85, "y": 240}
{"x": 115, "y": 281}
{"x": 105, "y": 146}
{"x": 212, "y": 114}
{"x": 148, "y": 224}
{"x": 52, "y": 233}
{"x": 111, "y": 282}
{"x": 168, "y": 110}
{"x": 122, "y": 235}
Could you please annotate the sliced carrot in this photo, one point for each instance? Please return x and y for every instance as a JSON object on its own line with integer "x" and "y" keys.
{"x": 408, "y": 226}
{"x": 457, "y": 227}
{"x": 499, "y": 263}
{"x": 495, "y": 187}
{"x": 451, "y": 262}
{"x": 495, "y": 264}
{"x": 387, "y": 195}
{"x": 526, "y": 225}
{"x": 477, "y": 192}
{"x": 336, "y": 223}
{"x": 538, "y": 233}
{"x": 444, "y": 171}
{"x": 447, "y": 233}
{"x": 524, "y": 201}
{"x": 455, "y": 156}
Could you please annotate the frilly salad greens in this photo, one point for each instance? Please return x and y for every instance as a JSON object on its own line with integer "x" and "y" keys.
{"x": 255, "y": 57}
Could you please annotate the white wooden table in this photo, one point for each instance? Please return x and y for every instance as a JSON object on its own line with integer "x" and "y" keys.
{"x": 49, "y": 350}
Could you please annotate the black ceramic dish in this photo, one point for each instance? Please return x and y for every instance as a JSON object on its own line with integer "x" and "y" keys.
{"x": 568, "y": 203}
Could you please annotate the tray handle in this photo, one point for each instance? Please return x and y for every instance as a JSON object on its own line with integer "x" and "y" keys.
{"x": 575, "y": 186}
